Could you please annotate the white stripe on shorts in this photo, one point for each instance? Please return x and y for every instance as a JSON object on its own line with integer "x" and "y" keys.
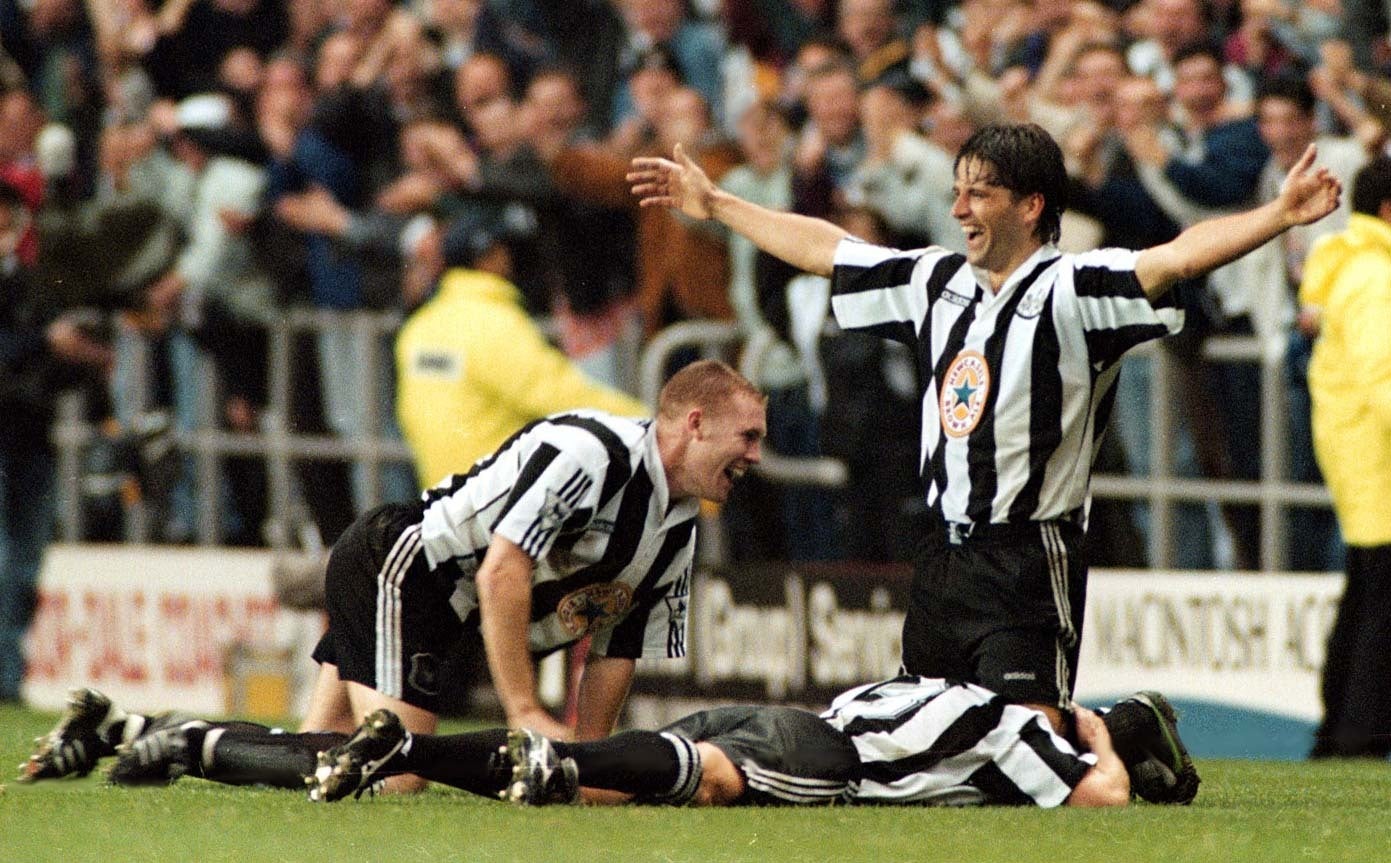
{"x": 388, "y": 653}
{"x": 795, "y": 789}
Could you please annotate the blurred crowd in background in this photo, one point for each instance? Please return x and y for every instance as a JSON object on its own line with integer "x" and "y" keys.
{"x": 178, "y": 174}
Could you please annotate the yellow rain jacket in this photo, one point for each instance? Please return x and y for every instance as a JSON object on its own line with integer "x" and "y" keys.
{"x": 472, "y": 368}
{"x": 1348, "y": 276}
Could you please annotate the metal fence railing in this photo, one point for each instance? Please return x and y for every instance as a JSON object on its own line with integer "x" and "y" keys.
{"x": 1160, "y": 489}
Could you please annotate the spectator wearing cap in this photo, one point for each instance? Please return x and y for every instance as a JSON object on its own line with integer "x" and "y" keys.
{"x": 461, "y": 355}
{"x": 215, "y": 300}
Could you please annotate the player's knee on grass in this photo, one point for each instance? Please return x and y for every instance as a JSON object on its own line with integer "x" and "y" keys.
{"x": 404, "y": 783}
{"x": 721, "y": 782}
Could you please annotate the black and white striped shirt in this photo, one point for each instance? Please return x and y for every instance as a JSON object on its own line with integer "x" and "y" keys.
{"x": 1017, "y": 384}
{"x": 924, "y": 740}
{"x": 584, "y": 494}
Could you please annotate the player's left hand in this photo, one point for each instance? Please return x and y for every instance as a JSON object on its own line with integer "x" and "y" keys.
{"x": 1091, "y": 730}
{"x": 677, "y": 182}
{"x": 1308, "y": 195}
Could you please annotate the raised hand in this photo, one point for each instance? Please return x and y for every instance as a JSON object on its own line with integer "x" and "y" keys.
{"x": 678, "y": 183}
{"x": 1308, "y": 195}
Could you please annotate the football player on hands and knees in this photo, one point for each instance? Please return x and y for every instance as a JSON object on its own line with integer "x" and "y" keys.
{"x": 580, "y": 525}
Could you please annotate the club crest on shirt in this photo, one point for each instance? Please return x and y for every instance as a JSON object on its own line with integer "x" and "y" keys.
{"x": 1031, "y": 305}
{"x": 593, "y": 607}
{"x": 965, "y": 388}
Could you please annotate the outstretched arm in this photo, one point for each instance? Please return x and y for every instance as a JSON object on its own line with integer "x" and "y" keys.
{"x": 806, "y": 243}
{"x": 1306, "y": 196}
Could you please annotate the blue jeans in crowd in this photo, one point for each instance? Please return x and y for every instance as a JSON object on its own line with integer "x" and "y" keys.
{"x": 28, "y": 505}
{"x": 1315, "y": 543}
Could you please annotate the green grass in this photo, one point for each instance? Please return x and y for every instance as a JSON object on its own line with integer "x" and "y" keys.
{"x": 1246, "y": 810}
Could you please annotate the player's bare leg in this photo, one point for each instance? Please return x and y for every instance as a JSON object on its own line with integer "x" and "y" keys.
{"x": 329, "y": 706}
{"x": 364, "y": 700}
{"x": 1055, "y": 717}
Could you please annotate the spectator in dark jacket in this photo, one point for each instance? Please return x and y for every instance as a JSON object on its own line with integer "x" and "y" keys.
{"x": 35, "y": 344}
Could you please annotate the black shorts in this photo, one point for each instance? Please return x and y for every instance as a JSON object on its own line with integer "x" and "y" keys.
{"x": 1003, "y": 610}
{"x": 390, "y": 624}
{"x": 787, "y": 756}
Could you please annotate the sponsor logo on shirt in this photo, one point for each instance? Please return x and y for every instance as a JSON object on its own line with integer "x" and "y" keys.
{"x": 965, "y": 388}
{"x": 956, "y": 299}
{"x": 594, "y": 607}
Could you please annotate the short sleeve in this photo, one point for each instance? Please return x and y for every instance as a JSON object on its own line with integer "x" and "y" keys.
{"x": 554, "y": 490}
{"x": 1113, "y": 309}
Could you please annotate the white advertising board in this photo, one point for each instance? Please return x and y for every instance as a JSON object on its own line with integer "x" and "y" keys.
{"x": 151, "y": 626}
{"x": 1252, "y": 642}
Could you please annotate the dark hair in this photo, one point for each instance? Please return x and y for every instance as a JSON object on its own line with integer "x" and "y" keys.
{"x": 1026, "y": 161}
{"x": 473, "y": 231}
{"x": 657, "y": 57}
{"x": 1199, "y": 48}
{"x": 1290, "y": 88}
{"x": 10, "y": 196}
{"x": 1372, "y": 186}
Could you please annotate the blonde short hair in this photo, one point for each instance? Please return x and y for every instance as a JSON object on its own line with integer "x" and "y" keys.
{"x": 703, "y": 384}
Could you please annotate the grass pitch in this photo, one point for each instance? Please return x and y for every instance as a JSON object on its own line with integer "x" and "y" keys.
{"x": 1246, "y": 811}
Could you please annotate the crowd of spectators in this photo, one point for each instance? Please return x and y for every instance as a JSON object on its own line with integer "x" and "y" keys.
{"x": 193, "y": 168}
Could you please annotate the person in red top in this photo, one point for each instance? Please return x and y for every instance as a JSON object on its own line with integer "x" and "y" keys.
{"x": 20, "y": 122}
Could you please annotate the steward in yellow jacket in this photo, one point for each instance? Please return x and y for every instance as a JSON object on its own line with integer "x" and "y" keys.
{"x": 473, "y": 367}
{"x": 1348, "y": 277}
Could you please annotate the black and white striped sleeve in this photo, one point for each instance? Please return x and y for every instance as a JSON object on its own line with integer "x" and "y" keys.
{"x": 926, "y": 741}
{"x": 555, "y": 488}
{"x": 1112, "y": 306}
{"x": 880, "y": 290}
